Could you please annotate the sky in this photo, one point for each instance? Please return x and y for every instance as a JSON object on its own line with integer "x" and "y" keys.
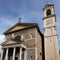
{"x": 31, "y": 11}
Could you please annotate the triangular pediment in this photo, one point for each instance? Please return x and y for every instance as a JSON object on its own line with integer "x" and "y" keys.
{"x": 11, "y": 42}
{"x": 8, "y": 42}
{"x": 19, "y": 27}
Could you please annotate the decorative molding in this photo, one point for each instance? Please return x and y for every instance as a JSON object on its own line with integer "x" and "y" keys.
{"x": 49, "y": 17}
{"x": 51, "y": 35}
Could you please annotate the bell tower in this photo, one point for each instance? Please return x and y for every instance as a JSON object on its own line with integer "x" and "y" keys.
{"x": 50, "y": 33}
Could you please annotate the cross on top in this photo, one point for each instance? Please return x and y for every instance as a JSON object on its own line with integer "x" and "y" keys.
{"x": 20, "y": 20}
{"x": 47, "y": 1}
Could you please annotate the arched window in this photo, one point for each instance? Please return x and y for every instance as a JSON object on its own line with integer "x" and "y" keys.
{"x": 48, "y": 12}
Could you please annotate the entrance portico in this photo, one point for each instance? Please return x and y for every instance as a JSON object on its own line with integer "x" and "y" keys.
{"x": 16, "y": 53}
{"x": 10, "y": 51}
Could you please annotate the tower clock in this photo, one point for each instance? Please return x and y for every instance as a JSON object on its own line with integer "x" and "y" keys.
{"x": 50, "y": 33}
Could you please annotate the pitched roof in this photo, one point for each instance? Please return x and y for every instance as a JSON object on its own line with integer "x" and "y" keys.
{"x": 22, "y": 26}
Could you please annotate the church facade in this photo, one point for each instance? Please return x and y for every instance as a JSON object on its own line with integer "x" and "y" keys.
{"x": 24, "y": 41}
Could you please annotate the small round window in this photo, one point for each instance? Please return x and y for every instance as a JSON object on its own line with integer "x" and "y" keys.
{"x": 18, "y": 37}
{"x": 48, "y": 12}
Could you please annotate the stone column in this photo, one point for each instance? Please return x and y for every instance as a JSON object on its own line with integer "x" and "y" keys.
{"x": 14, "y": 53}
{"x": 20, "y": 54}
{"x": 6, "y": 57}
{"x": 25, "y": 53}
{"x": 2, "y": 54}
